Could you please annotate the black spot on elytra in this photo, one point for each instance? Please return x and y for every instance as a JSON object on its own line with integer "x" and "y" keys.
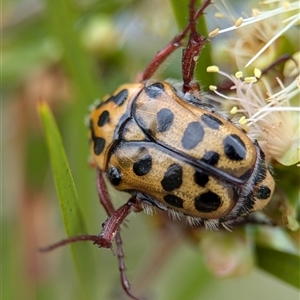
{"x": 211, "y": 121}
{"x": 172, "y": 178}
{"x": 263, "y": 192}
{"x": 154, "y": 90}
{"x": 143, "y": 165}
{"x": 103, "y": 118}
{"x": 192, "y": 136}
{"x": 120, "y": 98}
{"x": 114, "y": 175}
{"x": 201, "y": 178}
{"x": 174, "y": 200}
{"x": 234, "y": 147}
{"x": 99, "y": 144}
{"x": 165, "y": 119}
{"x": 211, "y": 158}
{"x": 207, "y": 202}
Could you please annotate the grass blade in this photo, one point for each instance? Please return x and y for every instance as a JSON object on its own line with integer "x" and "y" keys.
{"x": 66, "y": 191}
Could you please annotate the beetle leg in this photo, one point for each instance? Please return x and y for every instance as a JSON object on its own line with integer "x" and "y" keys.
{"x": 116, "y": 217}
{"x": 175, "y": 43}
{"x": 191, "y": 53}
{"x": 104, "y": 195}
{"x": 112, "y": 224}
{"x": 109, "y": 231}
{"x": 111, "y": 227}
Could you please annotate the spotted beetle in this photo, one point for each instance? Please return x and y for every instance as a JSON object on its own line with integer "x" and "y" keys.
{"x": 170, "y": 149}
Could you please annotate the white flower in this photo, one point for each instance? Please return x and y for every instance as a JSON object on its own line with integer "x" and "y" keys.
{"x": 257, "y": 36}
{"x": 267, "y": 113}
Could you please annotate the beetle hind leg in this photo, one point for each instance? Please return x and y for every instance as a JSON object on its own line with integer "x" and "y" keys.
{"x": 111, "y": 227}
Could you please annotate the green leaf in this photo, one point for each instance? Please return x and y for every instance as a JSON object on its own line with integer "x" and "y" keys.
{"x": 284, "y": 266}
{"x": 64, "y": 182}
{"x": 181, "y": 12}
{"x": 66, "y": 191}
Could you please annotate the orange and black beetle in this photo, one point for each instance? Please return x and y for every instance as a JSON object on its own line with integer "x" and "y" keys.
{"x": 169, "y": 148}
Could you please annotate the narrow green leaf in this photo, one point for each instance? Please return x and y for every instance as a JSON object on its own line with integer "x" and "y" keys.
{"x": 65, "y": 186}
{"x": 66, "y": 191}
{"x": 181, "y": 12}
{"x": 283, "y": 265}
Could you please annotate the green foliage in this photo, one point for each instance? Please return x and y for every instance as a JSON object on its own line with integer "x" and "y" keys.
{"x": 67, "y": 194}
{"x": 64, "y": 182}
{"x": 281, "y": 264}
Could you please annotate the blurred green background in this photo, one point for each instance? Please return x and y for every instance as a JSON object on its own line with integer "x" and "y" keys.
{"x": 70, "y": 53}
